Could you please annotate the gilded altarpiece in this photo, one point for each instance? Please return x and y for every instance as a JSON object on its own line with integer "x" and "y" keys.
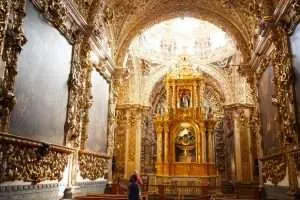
{"x": 185, "y": 139}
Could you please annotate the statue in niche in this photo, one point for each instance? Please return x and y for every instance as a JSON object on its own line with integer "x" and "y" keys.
{"x": 160, "y": 109}
{"x": 210, "y": 114}
{"x": 185, "y": 145}
{"x": 185, "y": 99}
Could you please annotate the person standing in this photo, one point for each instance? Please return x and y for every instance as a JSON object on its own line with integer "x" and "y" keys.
{"x": 133, "y": 188}
{"x": 139, "y": 181}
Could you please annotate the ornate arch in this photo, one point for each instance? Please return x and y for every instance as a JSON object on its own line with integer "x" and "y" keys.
{"x": 208, "y": 15}
{"x": 220, "y": 81}
{"x": 213, "y": 96}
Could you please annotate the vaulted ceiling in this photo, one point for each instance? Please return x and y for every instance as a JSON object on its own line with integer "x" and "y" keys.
{"x": 127, "y": 18}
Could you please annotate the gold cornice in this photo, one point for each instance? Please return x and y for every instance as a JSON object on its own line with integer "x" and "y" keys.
{"x": 238, "y": 106}
{"x": 133, "y": 106}
{"x": 265, "y": 38}
{"x": 34, "y": 143}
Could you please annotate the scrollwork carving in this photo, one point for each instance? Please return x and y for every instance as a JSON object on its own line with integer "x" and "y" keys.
{"x": 4, "y": 13}
{"x": 220, "y": 145}
{"x": 14, "y": 40}
{"x": 76, "y": 102}
{"x": 92, "y": 165}
{"x": 58, "y": 13}
{"x": 274, "y": 169}
{"x": 291, "y": 17}
{"x": 112, "y": 121}
{"x": 283, "y": 81}
{"x": 30, "y": 161}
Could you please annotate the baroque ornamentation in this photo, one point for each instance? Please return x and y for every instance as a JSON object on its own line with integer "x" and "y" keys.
{"x": 283, "y": 81}
{"x": 92, "y": 165}
{"x": 76, "y": 102}
{"x": 220, "y": 145}
{"x": 4, "y": 13}
{"x": 132, "y": 16}
{"x": 31, "y": 161}
{"x": 83, "y": 7}
{"x": 58, "y": 13}
{"x": 291, "y": 17}
{"x": 274, "y": 169}
{"x": 12, "y": 46}
{"x": 112, "y": 121}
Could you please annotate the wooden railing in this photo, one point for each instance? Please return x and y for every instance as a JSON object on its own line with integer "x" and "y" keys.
{"x": 30, "y": 160}
{"x": 168, "y": 191}
{"x": 92, "y": 165}
{"x": 178, "y": 190}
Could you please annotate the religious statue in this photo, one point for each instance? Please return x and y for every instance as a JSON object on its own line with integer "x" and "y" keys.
{"x": 185, "y": 99}
{"x": 185, "y": 145}
{"x": 210, "y": 114}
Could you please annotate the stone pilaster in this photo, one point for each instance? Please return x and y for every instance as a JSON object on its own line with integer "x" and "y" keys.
{"x": 210, "y": 125}
{"x": 242, "y": 142}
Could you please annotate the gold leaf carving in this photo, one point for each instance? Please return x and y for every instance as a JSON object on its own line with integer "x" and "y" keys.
{"x": 14, "y": 40}
{"x": 92, "y": 165}
{"x": 30, "y": 161}
{"x": 274, "y": 169}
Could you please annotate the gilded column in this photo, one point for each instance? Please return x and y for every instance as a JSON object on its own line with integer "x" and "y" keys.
{"x": 204, "y": 146}
{"x": 210, "y": 134}
{"x": 237, "y": 148}
{"x": 166, "y": 149}
{"x": 159, "y": 132}
{"x": 174, "y": 96}
{"x": 242, "y": 142}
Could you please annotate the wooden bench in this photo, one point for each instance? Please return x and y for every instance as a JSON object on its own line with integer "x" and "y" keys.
{"x": 103, "y": 197}
{"x": 107, "y": 197}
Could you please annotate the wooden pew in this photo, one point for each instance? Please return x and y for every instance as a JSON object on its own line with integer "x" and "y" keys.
{"x": 103, "y": 197}
{"x": 107, "y": 197}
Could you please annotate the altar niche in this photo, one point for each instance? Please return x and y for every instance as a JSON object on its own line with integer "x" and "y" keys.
{"x": 185, "y": 144}
{"x": 185, "y": 137}
{"x": 185, "y": 98}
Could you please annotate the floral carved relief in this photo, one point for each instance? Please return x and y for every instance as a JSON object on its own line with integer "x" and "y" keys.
{"x": 283, "y": 81}
{"x": 92, "y": 165}
{"x": 274, "y": 169}
{"x": 14, "y": 39}
{"x": 31, "y": 161}
{"x": 76, "y": 102}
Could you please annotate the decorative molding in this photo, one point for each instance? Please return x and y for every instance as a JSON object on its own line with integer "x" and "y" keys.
{"x": 220, "y": 147}
{"x": 112, "y": 121}
{"x": 92, "y": 165}
{"x": 31, "y": 161}
{"x": 4, "y": 14}
{"x": 86, "y": 93}
{"x": 291, "y": 16}
{"x": 283, "y": 96}
{"x": 28, "y": 188}
{"x": 274, "y": 168}
{"x": 14, "y": 39}
{"x": 76, "y": 101}
{"x": 58, "y": 13}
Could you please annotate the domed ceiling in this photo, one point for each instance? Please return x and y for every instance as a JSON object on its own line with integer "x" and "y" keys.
{"x": 201, "y": 41}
